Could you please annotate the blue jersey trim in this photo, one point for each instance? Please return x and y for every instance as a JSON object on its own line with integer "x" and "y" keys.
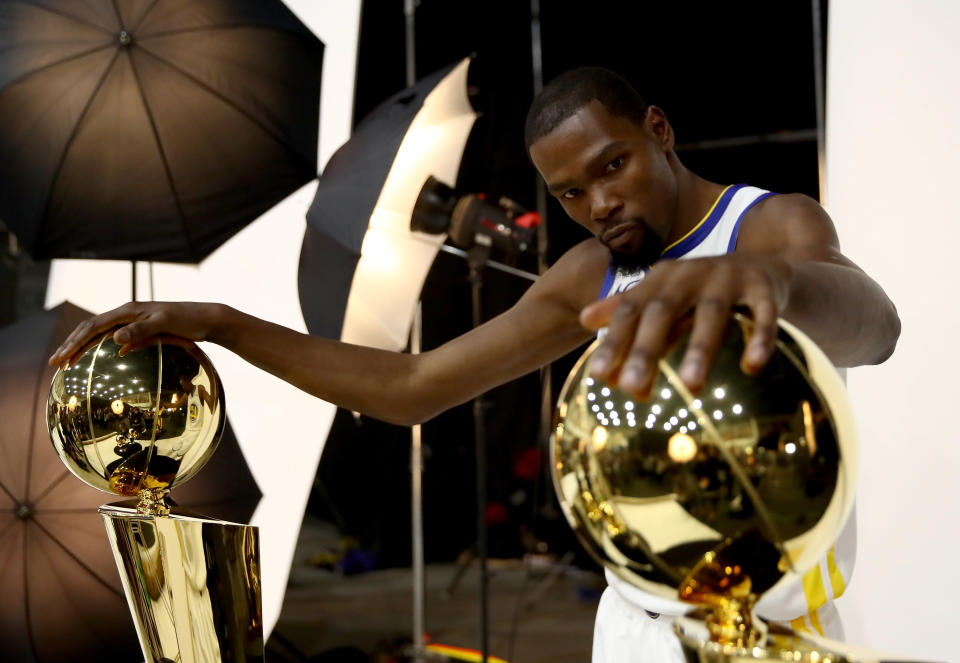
{"x": 608, "y": 279}
{"x": 700, "y": 233}
{"x": 736, "y": 227}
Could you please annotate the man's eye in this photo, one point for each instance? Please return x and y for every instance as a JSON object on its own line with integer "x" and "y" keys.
{"x": 570, "y": 194}
{"x": 614, "y": 165}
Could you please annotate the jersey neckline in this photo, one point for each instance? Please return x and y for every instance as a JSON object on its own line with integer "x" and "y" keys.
{"x": 700, "y": 231}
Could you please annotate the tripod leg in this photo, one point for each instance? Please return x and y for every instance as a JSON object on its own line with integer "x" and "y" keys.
{"x": 464, "y": 562}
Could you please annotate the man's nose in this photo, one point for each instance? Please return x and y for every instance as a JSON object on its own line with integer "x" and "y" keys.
{"x": 603, "y": 205}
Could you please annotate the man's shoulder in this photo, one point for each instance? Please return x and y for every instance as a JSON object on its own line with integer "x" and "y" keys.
{"x": 783, "y": 217}
{"x": 589, "y": 252}
{"x": 786, "y": 203}
{"x": 578, "y": 274}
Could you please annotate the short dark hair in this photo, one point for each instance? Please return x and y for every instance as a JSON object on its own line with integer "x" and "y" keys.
{"x": 572, "y": 90}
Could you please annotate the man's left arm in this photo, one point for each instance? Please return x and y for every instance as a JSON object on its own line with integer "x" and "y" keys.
{"x": 831, "y": 299}
{"x": 787, "y": 264}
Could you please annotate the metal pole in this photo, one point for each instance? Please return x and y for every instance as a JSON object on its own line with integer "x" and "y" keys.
{"x": 477, "y": 257}
{"x": 791, "y": 136}
{"x": 493, "y": 264}
{"x": 546, "y": 382}
{"x": 819, "y": 93}
{"x": 536, "y": 50}
{"x": 409, "y": 12}
{"x": 416, "y": 448}
{"x": 416, "y": 506}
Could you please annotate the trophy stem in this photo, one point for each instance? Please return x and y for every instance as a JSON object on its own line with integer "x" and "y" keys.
{"x": 725, "y": 591}
{"x": 153, "y": 502}
{"x": 730, "y": 623}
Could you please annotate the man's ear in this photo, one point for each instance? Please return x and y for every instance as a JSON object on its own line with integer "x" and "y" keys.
{"x": 658, "y": 125}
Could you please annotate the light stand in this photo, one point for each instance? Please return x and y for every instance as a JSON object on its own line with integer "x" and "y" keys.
{"x": 477, "y": 224}
{"x": 477, "y": 256}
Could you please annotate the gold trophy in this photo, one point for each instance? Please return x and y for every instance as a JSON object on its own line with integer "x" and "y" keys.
{"x": 136, "y": 425}
{"x": 714, "y": 499}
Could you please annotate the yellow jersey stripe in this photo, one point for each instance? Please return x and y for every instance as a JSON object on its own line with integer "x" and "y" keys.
{"x": 700, "y": 223}
{"x": 836, "y": 578}
{"x": 815, "y": 620}
{"x": 813, "y": 589}
{"x": 800, "y": 625}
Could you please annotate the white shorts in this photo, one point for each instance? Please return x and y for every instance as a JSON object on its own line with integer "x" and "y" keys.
{"x": 625, "y": 633}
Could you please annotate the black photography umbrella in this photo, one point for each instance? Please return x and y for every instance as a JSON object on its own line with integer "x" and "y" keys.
{"x": 361, "y": 267}
{"x": 150, "y": 130}
{"x": 62, "y": 599}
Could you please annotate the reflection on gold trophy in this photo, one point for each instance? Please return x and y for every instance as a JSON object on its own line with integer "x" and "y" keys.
{"x": 136, "y": 426}
{"x": 717, "y": 498}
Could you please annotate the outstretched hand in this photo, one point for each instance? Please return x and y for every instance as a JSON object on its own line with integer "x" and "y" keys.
{"x": 137, "y": 323}
{"x": 640, "y": 322}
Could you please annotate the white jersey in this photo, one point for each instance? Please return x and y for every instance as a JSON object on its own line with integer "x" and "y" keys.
{"x": 806, "y": 605}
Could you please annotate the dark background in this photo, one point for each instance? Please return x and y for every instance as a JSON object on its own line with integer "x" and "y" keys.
{"x": 719, "y": 71}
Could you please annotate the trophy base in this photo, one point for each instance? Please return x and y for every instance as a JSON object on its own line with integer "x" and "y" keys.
{"x": 192, "y": 584}
{"x": 781, "y": 644}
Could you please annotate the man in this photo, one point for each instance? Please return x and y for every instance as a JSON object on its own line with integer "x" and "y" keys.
{"x": 609, "y": 159}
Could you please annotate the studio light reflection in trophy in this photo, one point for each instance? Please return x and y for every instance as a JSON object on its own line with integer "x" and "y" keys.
{"x": 136, "y": 426}
{"x": 713, "y": 499}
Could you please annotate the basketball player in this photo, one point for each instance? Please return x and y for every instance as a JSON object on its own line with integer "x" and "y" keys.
{"x": 668, "y": 246}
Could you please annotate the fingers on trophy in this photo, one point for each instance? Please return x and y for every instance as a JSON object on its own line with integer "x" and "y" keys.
{"x": 136, "y": 426}
{"x": 712, "y": 499}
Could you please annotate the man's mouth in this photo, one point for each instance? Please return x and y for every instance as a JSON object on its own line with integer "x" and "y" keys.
{"x": 620, "y": 235}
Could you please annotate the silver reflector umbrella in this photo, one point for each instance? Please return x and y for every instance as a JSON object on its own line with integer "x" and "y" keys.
{"x": 361, "y": 267}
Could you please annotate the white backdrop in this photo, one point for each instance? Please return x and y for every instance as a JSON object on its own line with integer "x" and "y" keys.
{"x": 280, "y": 429}
{"x": 893, "y": 160}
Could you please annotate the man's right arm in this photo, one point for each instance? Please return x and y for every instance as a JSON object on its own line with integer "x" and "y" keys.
{"x": 400, "y": 388}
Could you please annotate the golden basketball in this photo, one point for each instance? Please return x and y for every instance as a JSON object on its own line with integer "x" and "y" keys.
{"x": 147, "y": 420}
{"x": 728, "y": 492}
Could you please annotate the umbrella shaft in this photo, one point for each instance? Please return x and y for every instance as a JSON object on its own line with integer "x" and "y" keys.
{"x": 477, "y": 258}
{"x": 409, "y": 11}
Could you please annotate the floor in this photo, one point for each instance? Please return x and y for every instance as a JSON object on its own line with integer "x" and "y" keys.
{"x": 540, "y": 610}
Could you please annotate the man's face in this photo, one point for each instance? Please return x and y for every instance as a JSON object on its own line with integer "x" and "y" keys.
{"x": 612, "y": 177}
